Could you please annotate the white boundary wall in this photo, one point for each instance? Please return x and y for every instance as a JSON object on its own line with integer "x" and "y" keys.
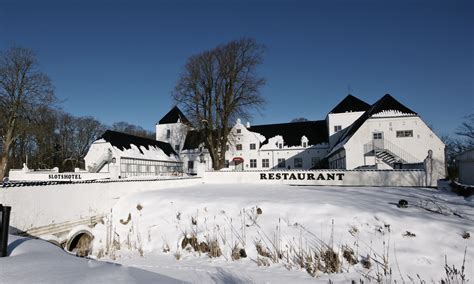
{"x": 35, "y": 206}
{"x": 322, "y": 177}
{"x": 29, "y": 175}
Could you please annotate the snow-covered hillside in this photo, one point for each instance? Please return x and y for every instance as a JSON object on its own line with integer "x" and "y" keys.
{"x": 282, "y": 234}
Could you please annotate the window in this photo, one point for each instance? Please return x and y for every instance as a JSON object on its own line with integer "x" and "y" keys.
{"x": 378, "y": 135}
{"x": 265, "y": 163}
{"x": 404, "y": 133}
{"x": 305, "y": 144}
{"x": 227, "y": 147}
{"x": 226, "y": 164}
{"x": 239, "y": 131}
{"x": 280, "y": 145}
{"x": 314, "y": 161}
{"x": 252, "y": 146}
{"x": 298, "y": 162}
{"x": 168, "y": 133}
{"x": 176, "y": 148}
{"x": 238, "y": 147}
{"x": 337, "y": 128}
{"x": 190, "y": 165}
{"x": 281, "y": 163}
{"x": 253, "y": 163}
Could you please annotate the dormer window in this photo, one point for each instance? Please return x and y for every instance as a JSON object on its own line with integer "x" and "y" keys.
{"x": 304, "y": 142}
{"x": 239, "y": 131}
{"x": 337, "y": 128}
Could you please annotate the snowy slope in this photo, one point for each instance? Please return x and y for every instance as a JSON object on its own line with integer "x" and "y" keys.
{"x": 36, "y": 261}
{"x": 287, "y": 231}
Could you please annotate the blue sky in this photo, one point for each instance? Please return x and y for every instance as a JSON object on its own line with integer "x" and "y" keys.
{"x": 120, "y": 60}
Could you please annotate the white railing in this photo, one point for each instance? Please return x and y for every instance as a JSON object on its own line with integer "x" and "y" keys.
{"x": 394, "y": 150}
{"x": 105, "y": 158}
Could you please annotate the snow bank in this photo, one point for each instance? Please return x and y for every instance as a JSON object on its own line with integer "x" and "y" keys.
{"x": 36, "y": 261}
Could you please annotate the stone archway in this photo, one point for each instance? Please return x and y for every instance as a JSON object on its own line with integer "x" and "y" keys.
{"x": 79, "y": 242}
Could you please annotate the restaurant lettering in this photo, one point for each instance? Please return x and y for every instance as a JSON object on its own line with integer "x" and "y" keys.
{"x": 301, "y": 176}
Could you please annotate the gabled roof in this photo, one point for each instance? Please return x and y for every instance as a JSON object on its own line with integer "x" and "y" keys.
{"x": 386, "y": 104}
{"x": 350, "y": 104}
{"x": 173, "y": 116}
{"x": 124, "y": 141}
{"x": 193, "y": 139}
{"x": 315, "y": 131}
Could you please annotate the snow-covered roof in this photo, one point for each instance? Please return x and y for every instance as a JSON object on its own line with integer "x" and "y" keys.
{"x": 350, "y": 104}
{"x": 387, "y": 106}
{"x": 173, "y": 116}
{"x": 315, "y": 131}
{"x": 138, "y": 147}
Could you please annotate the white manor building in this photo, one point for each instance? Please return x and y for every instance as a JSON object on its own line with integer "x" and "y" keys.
{"x": 123, "y": 156}
{"x": 354, "y": 135}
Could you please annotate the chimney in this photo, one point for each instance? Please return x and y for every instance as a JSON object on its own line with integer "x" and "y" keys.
{"x": 248, "y": 124}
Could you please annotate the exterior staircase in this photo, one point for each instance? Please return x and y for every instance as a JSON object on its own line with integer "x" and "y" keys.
{"x": 388, "y": 152}
{"x": 106, "y": 158}
{"x": 388, "y": 157}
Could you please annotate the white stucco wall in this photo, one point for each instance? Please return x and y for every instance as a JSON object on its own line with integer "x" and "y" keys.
{"x": 97, "y": 150}
{"x": 338, "y": 178}
{"x": 178, "y": 133}
{"x": 343, "y": 119}
{"x": 423, "y": 139}
{"x": 270, "y": 150}
{"x": 73, "y": 201}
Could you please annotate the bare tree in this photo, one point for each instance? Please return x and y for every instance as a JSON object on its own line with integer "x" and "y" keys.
{"x": 23, "y": 87}
{"x": 218, "y": 86}
{"x": 132, "y": 129}
{"x": 299, "y": 119}
{"x": 466, "y": 131}
{"x": 87, "y": 131}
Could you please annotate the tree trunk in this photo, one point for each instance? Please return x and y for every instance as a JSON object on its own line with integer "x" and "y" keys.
{"x": 7, "y": 143}
{"x": 4, "y": 159}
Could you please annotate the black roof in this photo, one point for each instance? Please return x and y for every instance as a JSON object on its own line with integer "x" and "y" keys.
{"x": 350, "y": 104}
{"x": 193, "y": 139}
{"x": 173, "y": 115}
{"x": 315, "y": 131}
{"x": 124, "y": 141}
{"x": 386, "y": 103}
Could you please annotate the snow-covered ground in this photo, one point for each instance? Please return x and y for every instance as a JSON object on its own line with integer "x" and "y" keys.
{"x": 289, "y": 234}
{"x": 37, "y": 261}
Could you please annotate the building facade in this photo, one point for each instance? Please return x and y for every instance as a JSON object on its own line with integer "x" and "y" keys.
{"x": 124, "y": 156}
{"x": 354, "y": 135}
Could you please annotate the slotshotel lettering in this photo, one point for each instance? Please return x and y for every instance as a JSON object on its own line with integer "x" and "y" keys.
{"x": 67, "y": 176}
{"x": 301, "y": 176}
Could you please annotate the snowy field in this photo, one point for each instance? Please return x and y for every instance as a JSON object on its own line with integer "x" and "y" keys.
{"x": 250, "y": 233}
{"x": 290, "y": 234}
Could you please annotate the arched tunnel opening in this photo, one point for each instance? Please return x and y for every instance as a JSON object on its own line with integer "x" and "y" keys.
{"x": 80, "y": 243}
